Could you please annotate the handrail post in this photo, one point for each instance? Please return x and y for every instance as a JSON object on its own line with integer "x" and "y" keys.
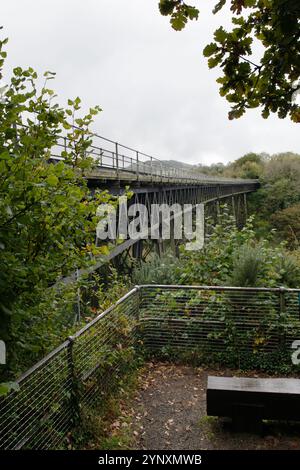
{"x": 282, "y": 312}
{"x": 138, "y": 329}
{"x": 137, "y": 166}
{"x": 117, "y": 159}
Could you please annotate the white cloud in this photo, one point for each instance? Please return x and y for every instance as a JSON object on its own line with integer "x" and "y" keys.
{"x": 153, "y": 84}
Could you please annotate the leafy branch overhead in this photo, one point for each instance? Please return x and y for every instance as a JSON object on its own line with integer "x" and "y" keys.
{"x": 179, "y": 11}
{"x": 269, "y": 79}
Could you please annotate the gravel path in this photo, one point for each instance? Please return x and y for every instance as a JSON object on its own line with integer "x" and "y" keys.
{"x": 169, "y": 412}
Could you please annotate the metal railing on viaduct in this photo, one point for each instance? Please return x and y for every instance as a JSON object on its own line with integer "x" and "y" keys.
{"x": 122, "y": 163}
{"x": 154, "y": 181}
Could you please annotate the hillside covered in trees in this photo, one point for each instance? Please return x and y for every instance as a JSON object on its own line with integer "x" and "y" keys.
{"x": 277, "y": 203}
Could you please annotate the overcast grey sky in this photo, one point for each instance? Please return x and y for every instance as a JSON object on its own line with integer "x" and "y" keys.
{"x": 152, "y": 83}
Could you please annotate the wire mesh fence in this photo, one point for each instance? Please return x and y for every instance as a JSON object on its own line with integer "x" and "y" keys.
{"x": 212, "y": 319}
{"x": 86, "y": 368}
{"x": 79, "y": 372}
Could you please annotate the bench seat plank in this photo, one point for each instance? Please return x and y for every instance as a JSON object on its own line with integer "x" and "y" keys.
{"x": 276, "y": 398}
{"x": 249, "y": 384}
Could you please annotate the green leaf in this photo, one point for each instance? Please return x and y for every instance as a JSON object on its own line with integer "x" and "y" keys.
{"x": 7, "y": 387}
{"x": 218, "y": 6}
{"x": 4, "y": 389}
{"x": 5, "y": 155}
{"x": 213, "y": 62}
{"x": 52, "y": 180}
{"x": 104, "y": 250}
{"x": 192, "y": 13}
{"x": 210, "y": 49}
{"x": 220, "y": 35}
{"x": 178, "y": 22}
{"x": 166, "y": 7}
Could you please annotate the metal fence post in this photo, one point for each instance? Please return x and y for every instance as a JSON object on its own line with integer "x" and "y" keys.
{"x": 138, "y": 328}
{"x": 74, "y": 386}
{"x": 138, "y": 302}
{"x": 78, "y": 299}
{"x": 282, "y": 312}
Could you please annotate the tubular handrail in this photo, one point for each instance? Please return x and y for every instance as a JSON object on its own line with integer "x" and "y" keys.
{"x": 218, "y": 288}
{"x": 112, "y": 159}
{"x": 140, "y": 287}
{"x": 138, "y": 162}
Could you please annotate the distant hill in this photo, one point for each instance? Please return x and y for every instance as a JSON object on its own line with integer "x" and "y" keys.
{"x": 171, "y": 163}
{"x": 176, "y": 164}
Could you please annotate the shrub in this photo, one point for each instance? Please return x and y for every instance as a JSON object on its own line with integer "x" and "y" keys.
{"x": 247, "y": 264}
{"x": 157, "y": 270}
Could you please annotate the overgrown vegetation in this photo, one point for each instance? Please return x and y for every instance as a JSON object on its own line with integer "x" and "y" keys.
{"x": 106, "y": 425}
{"x": 230, "y": 257}
{"x": 47, "y": 213}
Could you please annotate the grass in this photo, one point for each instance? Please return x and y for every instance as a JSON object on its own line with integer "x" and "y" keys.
{"x": 210, "y": 425}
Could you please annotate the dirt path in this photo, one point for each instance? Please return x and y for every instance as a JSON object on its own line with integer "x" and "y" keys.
{"x": 169, "y": 412}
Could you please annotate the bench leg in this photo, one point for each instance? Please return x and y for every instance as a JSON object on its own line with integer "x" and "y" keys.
{"x": 247, "y": 418}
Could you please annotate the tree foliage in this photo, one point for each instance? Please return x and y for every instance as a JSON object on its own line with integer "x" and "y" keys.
{"x": 230, "y": 257}
{"x": 287, "y": 222}
{"x": 270, "y": 81}
{"x": 179, "y": 11}
{"x": 276, "y": 203}
{"x": 249, "y": 166}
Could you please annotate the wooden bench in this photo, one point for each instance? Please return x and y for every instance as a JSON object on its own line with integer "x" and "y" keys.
{"x": 248, "y": 401}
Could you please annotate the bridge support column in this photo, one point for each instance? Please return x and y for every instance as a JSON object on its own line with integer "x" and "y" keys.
{"x": 245, "y": 206}
{"x": 160, "y": 247}
{"x": 173, "y": 242}
{"x": 218, "y": 209}
{"x": 241, "y": 218}
{"x": 241, "y": 212}
{"x": 233, "y": 207}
